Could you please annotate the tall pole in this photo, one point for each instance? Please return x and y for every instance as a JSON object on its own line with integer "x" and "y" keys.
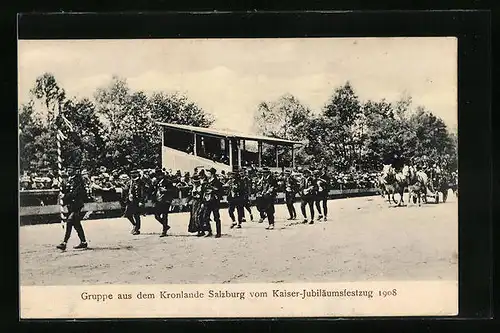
{"x": 259, "y": 145}
{"x": 162, "y": 135}
{"x": 293, "y": 157}
{"x": 230, "y": 153}
{"x": 195, "y": 150}
{"x": 239, "y": 153}
{"x": 59, "y": 169}
{"x": 277, "y": 156}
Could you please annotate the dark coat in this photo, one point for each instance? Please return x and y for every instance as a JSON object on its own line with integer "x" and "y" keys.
{"x": 308, "y": 186}
{"x": 212, "y": 190}
{"x": 73, "y": 192}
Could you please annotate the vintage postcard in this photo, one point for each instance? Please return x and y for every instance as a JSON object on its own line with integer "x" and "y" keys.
{"x": 238, "y": 178}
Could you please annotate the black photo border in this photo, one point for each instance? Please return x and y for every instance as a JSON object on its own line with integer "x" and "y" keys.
{"x": 472, "y": 28}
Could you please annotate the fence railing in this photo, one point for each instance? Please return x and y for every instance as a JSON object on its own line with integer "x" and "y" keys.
{"x": 39, "y": 210}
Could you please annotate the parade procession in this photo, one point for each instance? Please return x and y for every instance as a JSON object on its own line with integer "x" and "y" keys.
{"x": 269, "y": 163}
{"x": 306, "y": 191}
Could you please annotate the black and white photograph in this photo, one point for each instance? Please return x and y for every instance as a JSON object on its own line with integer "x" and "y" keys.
{"x": 233, "y": 162}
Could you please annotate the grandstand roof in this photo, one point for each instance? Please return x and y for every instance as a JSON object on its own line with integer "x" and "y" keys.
{"x": 229, "y": 134}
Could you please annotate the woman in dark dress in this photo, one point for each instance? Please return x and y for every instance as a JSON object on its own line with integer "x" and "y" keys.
{"x": 195, "y": 201}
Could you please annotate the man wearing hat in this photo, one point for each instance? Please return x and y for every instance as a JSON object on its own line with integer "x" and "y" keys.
{"x": 247, "y": 188}
{"x": 163, "y": 195}
{"x": 291, "y": 188}
{"x": 212, "y": 192}
{"x": 73, "y": 196}
{"x": 308, "y": 189}
{"x": 135, "y": 201}
{"x": 321, "y": 200}
{"x": 268, "y": 188}
{"x": 122, "y": 184}
{"x": 259, "y": 200}
{"x": 235, "y": 189}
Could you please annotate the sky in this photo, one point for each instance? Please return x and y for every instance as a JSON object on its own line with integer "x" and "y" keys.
{"x": 230, "y": 77}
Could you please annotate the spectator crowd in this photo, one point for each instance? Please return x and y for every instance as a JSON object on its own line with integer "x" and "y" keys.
{"x": 106, "y": 186}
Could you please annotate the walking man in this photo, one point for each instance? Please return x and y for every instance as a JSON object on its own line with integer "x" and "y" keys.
{"x": 268, "y": 191}
{"x": 73, "y": 195}
{"x": 291, "y": 188}
{"x": 135, "y": 203}
{"x": 323, "y": 182}
{"x": 212, "y": 189}
{"x": 247, "y": 189}
{"x": 308, "y": 189}
{"x": 259, "y": 198}
{"x": 163, "y": 195}
{"x": 235, "y": 198}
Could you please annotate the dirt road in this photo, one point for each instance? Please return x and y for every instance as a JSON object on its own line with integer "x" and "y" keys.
{"x": 363, "y": 240}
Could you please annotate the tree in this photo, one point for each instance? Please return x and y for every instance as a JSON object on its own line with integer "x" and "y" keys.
{"x": 111, "y": 101}
{"x": 90, "y": 131}
{"x": 30, "y": 130}
{"x": 285, "y": 118}
{"x": 177, "y": 109}
{"x": 343, "y": 112}
{"x": 47, "y": 91}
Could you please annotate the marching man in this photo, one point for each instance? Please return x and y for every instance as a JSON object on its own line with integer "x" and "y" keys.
{"x": 164, "y": 192}
{"x": 267, "y": 189}
{"x": 235, "y": 198}
{"x": 322, "y": 194}
{"x": 135, "y": 203}
{"x": 212, "y": 189}
{"x": 291, "y": 187}
{"x": 73, "y": 196}
{"x": 308, "y": 189}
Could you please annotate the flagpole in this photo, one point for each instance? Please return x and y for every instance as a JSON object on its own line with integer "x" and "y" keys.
{"x": 59, "y": 168}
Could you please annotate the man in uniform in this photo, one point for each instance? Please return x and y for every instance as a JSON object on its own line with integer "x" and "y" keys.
{"x": 323, "y": 182}
{"x": 268, "y": 188}
{"x": 164, "y": 193}
{"x": 235, "y": 198}
{"x": 291, "y": 188}
{"x": 247, "y": 189}
{"x": 212, "y": 189}
{"x": 308, "y": 189}
{"x": 259, "y": 199}
{"x": 73, "y": 196}
{"x": 135, "y": 201}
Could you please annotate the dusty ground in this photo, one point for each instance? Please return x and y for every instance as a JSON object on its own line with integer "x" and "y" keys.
{"x": 363, "y": 240}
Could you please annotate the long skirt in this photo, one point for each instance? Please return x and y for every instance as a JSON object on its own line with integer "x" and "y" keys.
{"x": 196, "y": 216}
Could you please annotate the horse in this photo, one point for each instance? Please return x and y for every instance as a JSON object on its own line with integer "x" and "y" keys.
{"x": 418, "y": 183}
{"x": 393, "y": 183}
